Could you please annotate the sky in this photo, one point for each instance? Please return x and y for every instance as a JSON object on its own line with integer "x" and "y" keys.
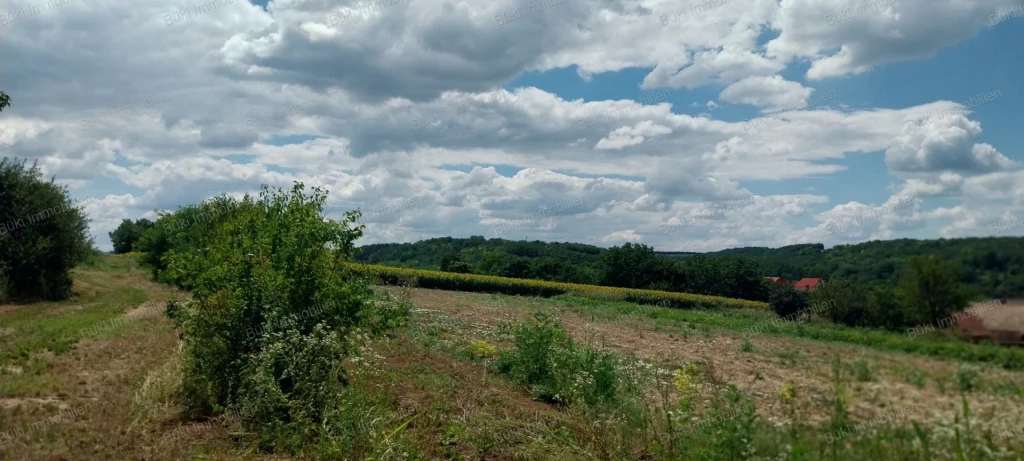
{"x": 683, "y": 126}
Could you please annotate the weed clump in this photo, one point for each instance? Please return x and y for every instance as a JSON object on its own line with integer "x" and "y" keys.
{"x": 556, "y": 368}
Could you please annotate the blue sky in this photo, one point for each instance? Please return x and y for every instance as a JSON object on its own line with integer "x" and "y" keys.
{"x": 985, "y": 63}
{"x": 488, "y": 120}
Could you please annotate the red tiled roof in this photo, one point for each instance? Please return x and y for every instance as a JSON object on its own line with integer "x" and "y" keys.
{"x": 807, "y": 282}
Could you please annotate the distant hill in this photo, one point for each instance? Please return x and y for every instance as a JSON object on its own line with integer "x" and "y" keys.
{"x": 991, "y": 266}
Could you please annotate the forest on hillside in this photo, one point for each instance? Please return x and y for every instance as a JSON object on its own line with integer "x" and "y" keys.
{"x": 988, "y": 267}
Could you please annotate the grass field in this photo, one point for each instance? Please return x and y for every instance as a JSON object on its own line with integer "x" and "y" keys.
{"x": 94, "y": 378}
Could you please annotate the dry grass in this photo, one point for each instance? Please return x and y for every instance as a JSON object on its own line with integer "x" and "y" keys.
{"x": 762, "y": 372}
{"x": 120, "y": 380}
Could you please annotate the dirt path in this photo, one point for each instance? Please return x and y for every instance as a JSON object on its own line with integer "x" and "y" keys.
{"x": 85, "y": 403}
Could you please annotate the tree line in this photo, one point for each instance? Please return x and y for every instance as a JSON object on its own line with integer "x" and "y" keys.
{"x": 988, "y": 267}
{"x": 926, "y": 291}
{"x": 628, "y": 266}
{"x": 901, "y": 287}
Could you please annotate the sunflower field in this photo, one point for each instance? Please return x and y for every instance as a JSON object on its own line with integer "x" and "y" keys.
{"x": 387, "y": 275}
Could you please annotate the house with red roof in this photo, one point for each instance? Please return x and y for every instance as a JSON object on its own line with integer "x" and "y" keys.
{"x": 779, "y": 280}
{"x": 807, "y": 284}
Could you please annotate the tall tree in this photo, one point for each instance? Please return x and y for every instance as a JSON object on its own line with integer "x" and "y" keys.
{"x": 634, "y": 266}
{"x": 930, "y": 290}
{"x": 452, "y": 262}
{"x": 5, "y": 101}
{"x": 846, "y": 302}
{"x": 43, "y": 234}
{"x": 884, "y": 308}
{"x": 127, "y": 235}
{"x": 124, "y": 236}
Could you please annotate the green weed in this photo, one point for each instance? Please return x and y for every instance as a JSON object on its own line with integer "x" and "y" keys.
{"x": 862, "y": 370}
{"x": 746, "y": 345}
{"x": 556, "y": 368}
{"x": 966, "y": 378}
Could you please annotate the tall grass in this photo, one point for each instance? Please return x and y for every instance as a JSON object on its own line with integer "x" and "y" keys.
{"x": 642, "y": 412}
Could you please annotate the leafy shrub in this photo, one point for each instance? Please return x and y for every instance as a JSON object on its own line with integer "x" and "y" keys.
{"x": 786, "y": 301}
{"x": 557, "y": 369}
{"x": 274, "y": 308}
{"x": 43, "y": 235}
{"x": 172, "y": 308}
{"x": 483, "y": 348}
{"x": 182, "y": 232}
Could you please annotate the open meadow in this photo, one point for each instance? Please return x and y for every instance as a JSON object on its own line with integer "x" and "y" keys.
{"x": 95, "y": 377}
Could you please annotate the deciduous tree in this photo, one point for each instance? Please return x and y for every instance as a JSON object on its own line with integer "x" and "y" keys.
{"x": 929, "y": 289}
{"x": 43, "y": 234}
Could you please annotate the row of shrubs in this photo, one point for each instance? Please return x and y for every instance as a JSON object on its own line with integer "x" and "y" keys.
{"x": 387, "y": 275}
{"x": 274, "y": 310}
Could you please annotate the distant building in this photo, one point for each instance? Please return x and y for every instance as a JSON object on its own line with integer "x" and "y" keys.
{"x": 969, "y": 325}
{"x": 779, "y": 280}
{"x": 807, "y": 284}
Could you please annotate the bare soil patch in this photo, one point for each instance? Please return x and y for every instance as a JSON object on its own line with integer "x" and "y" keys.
{"x": 1009, "y": 316}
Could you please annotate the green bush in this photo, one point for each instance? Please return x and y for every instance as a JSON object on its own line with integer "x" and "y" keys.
{"x": 557, "y": 369}
{"x": 786, "y": 301}
{"x": 182, "y": 232}
{"x": 43, "y": 234}
{"x": 274, "y": 309}
{"x": 126, "y": 235}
